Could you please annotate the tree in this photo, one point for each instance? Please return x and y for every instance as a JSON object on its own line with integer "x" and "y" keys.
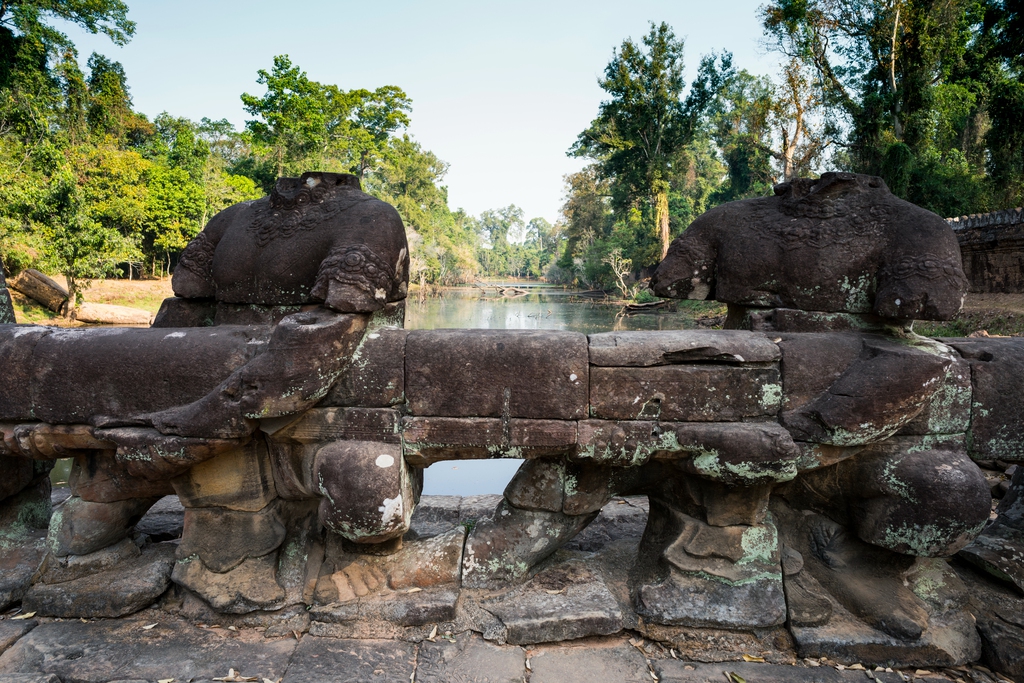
{"x": 302, "y": 124}
{"x": 639, "y": 133}
{"x": 908, "y": 82}
{"x": 74, "y": 244}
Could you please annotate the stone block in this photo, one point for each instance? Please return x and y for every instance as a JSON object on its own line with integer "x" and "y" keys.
{"x": 690, "y": 393}
{"x": 621, "y": 443}
{"x": 676, "y": 671}
{"x": 497, "y": 373}
{"x": 645, "y": 349}
{"x": 71, "y": 567}
{"x": 107, "y": 651}
{"x": 99, "y": 477}
{"x": 11, "y": 631}
{"x": 469, "y": 659}
{"x": 127, "y": 588}
{"x": 21, "y": 557}
{"x": 75, "y": 375}
{"x": 997, "y": 413}
{"x": 224, "y": 538}
{"x": 327, "y": 660}
{"x": 251, "y": 586}
{"x": 319, "y": 425}
{"x": 427, "y": 440}
{"x": 40, "y": 288}
{"x": 435, "y": 515}
{"x": 80, "y": 527}
{"x": 239, "y": 479}
{"x": 735, "y": 453}
{"x": 375, "y": 376}
{"x": 613, "y": 662}
{"x": 563, "y": 602}
{"x": 17, "y": 345}
{"x": 176, "y": 311}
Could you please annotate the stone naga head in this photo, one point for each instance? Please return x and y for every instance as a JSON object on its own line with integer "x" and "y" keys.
{"x": 839, "y": 243}
{"x": 316, "y": 239}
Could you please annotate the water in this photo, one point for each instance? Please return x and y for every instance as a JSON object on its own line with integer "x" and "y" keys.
{"x": 542, "y": 308}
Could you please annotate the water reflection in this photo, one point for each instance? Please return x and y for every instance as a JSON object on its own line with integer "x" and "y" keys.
{"x": 541, "y": 308}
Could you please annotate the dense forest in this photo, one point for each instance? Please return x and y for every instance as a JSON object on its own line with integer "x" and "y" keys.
{"x": 928, "y": 94}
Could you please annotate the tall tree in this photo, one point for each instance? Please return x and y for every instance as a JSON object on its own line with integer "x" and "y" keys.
{"x": 639, "y": 133}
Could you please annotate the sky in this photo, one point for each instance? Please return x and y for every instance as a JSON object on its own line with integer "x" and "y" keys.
{"x": 499, "y": 90}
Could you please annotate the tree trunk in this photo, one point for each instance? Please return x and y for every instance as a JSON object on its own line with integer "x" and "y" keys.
{"x": 41, "y": 288}
{"x": 661, "y": 216}
{"x": 72, "y": 304}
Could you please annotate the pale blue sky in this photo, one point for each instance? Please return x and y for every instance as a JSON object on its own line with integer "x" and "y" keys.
{"x": 499, "y": 91}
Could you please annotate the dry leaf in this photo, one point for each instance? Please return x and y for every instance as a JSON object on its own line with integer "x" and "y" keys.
{"x": 165, "y": 680}
{"x": 735, "y": 677}
{"x": 528, "y": 667}
{"x": 857, "y": 667}
{"x": 232, "y": 628}
{"x": 922, "y": 672}
{"x": 27, "y": 615}
{"x": 558, "y": 592}
{"x": 433, "y": 633}
{"x": 267, "y": 680}
{"x": 752, "y": 658}
{"x": 149, "y": 626}
{"x": 417, "y": 589}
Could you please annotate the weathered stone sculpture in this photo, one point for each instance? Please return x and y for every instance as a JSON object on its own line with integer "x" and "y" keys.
{"x": 812, "y": 470}
{"x": 841, "y": 244}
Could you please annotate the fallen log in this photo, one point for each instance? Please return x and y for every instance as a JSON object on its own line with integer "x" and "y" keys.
{"x": 109, "y": 314}
{"x": 40, "y": 288}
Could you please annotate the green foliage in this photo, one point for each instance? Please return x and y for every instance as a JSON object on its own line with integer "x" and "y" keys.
{"x": 73, "y": 243}
{"x": 923, "y": 92}
{"x": 303, "y": 124}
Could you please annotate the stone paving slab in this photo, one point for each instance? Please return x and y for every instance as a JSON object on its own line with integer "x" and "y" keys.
{"x": 11, "y": 631}
{"x": 470, "y": 659}
{"x": 675, "y": 671}
{"x": 330, "y": 660}
{"x": 34, "y": 678}
{"x": 98, "y": 652}
{"x": 612, "y": 661}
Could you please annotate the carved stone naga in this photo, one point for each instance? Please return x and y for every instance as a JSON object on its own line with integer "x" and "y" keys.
{"x": 811, "y": 466}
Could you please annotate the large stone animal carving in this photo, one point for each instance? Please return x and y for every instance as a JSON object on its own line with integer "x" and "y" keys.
{"x": 796, "y": 474}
